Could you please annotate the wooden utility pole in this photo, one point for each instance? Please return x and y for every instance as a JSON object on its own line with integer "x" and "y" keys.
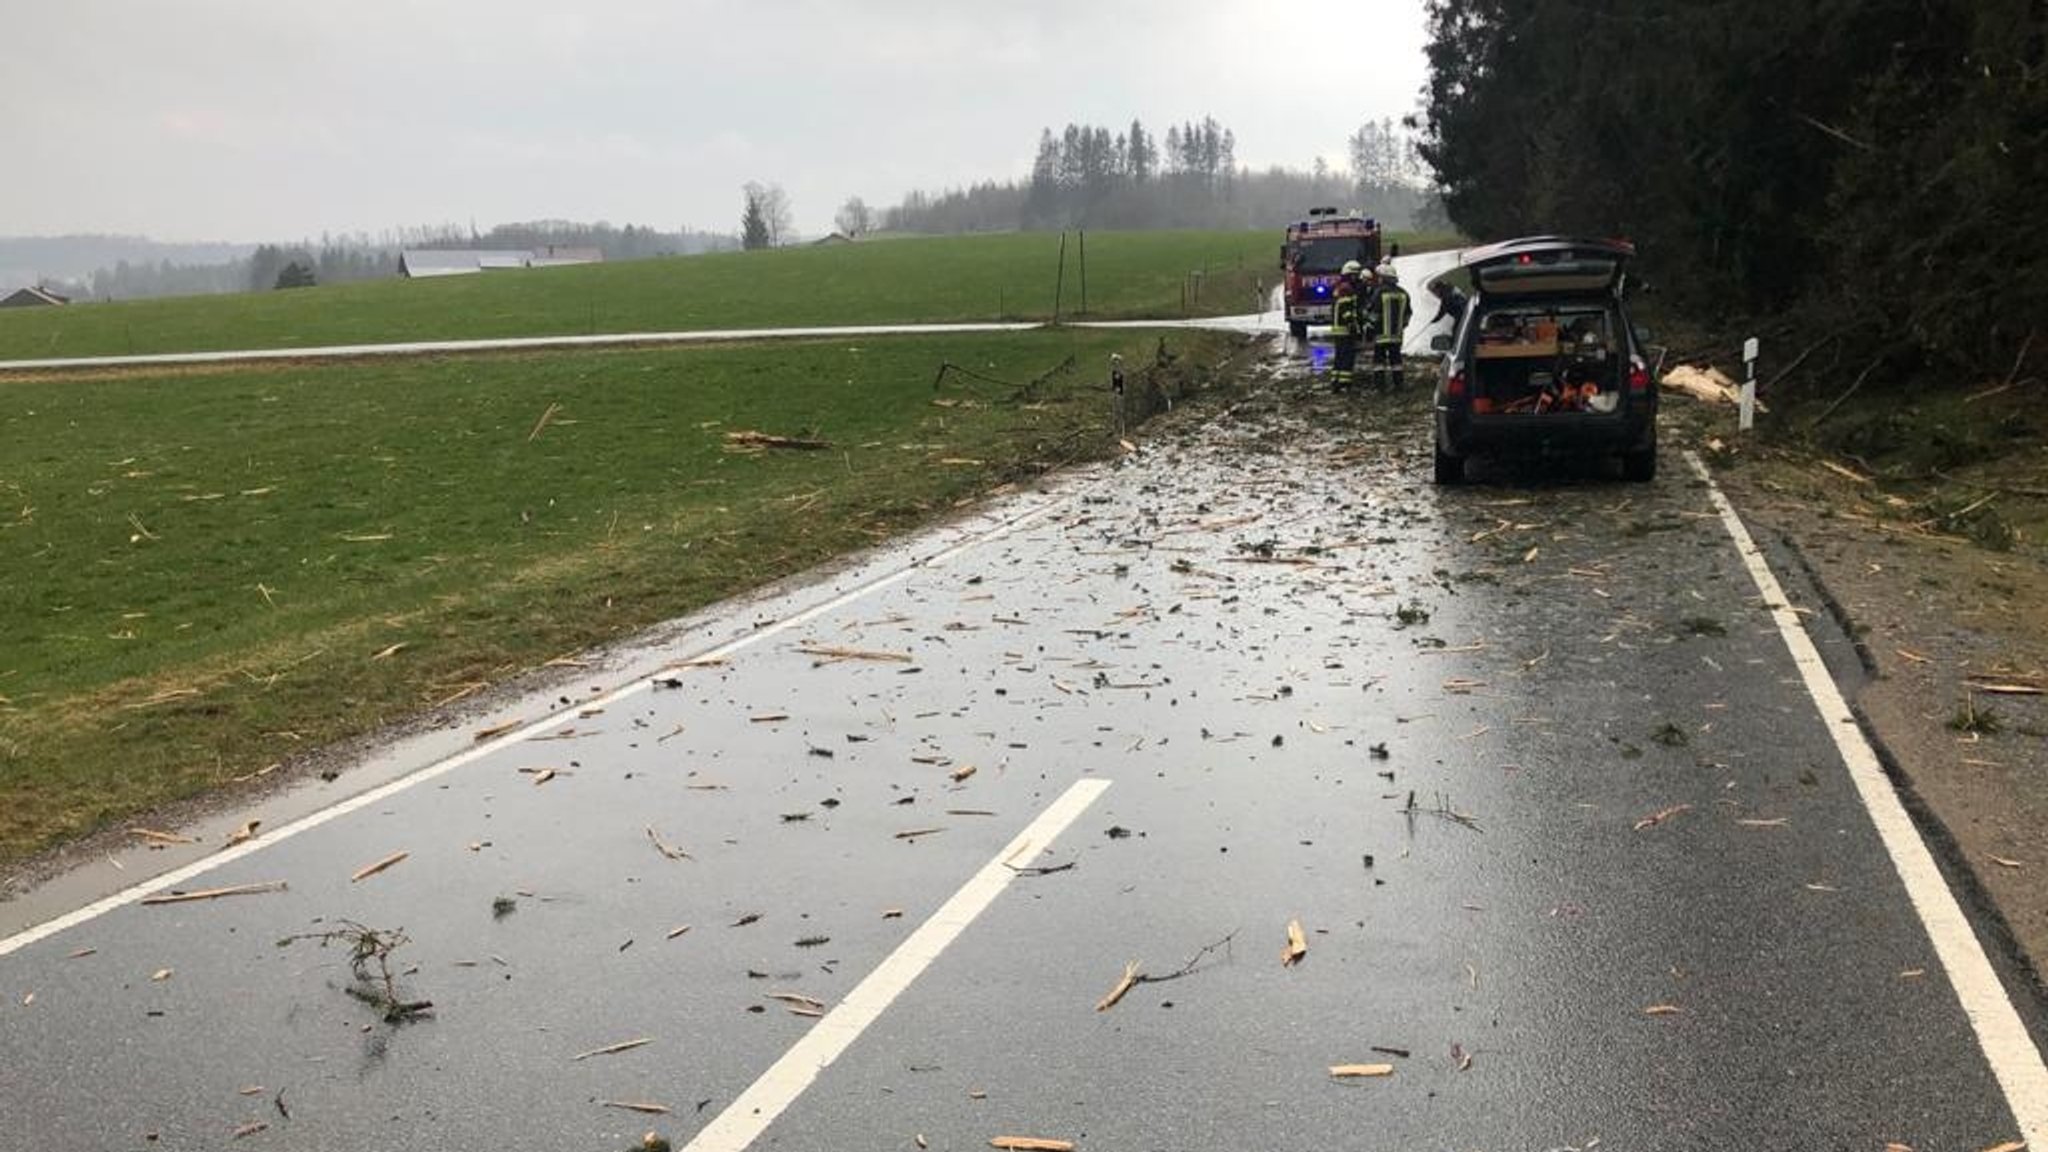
{"x": 1061, "y": 286}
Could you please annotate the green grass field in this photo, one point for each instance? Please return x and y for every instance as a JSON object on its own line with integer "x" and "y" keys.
{"x": 927, "y": 279}
{"x": 1011, "y": 276}
{"x": 209, "y": 570}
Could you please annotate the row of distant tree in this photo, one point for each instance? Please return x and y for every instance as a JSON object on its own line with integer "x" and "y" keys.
{"x": 340, "y": 259}
{"x": 1128, "y": 177}
{"x": 1870, "y": 170}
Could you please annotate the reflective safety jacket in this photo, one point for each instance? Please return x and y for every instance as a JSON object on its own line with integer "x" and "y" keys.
{"x": 1393, "y": 314}
{"x": 1345, "y": 318}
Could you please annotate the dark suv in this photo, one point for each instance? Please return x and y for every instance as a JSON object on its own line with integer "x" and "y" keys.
{"x": 1544, "y": 361}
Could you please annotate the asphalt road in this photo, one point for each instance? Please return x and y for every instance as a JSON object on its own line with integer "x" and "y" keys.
{"x": 1572, "y": 850}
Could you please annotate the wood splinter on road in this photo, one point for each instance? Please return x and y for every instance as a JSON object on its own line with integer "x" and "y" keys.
{"x": 1297, "y": 945}
{"x": 832, "y": 652}
{"x": 214, "y": 893}
{"x": 610, "y": 1049}
{"x": 1129, "y": 981}
{"x": 369, "y": 870}
{"x": 1030, "y": 1144}
{"x": 1358, "y": 1071}
{"x": 666, "y": 850}
{"x": 156, "y": 838}
{"x": 1662, "y": 815}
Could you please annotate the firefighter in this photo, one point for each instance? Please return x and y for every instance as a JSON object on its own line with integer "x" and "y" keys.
{"x": 1347, "y": 325}
{"x": 1451, "y": 302}
{"x": 1390, "y": 315}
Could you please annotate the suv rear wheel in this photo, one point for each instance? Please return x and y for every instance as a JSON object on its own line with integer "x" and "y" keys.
{"x": 1449, "y": 469}
{"x": 1640, "y": 467}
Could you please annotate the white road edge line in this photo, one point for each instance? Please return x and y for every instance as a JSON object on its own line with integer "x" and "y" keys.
{"x": 307, "y": 823}
{"x": 743, "y": 1121}
{"x": 2014, "y": 1059}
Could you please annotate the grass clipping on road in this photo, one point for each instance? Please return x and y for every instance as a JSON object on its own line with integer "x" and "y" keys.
{"x": 213, "y": 571}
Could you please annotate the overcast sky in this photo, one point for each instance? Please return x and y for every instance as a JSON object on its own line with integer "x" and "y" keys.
{"x": 280, "y": 119}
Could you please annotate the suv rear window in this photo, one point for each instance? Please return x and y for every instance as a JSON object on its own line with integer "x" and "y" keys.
{"x": 1581, "y": 275}
{"x": 1531, "y": 357}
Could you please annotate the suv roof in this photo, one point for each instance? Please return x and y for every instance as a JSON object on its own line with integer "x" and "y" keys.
{"x": 1547, "y": 265}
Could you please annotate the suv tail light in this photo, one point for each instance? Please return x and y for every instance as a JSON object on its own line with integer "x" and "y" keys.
{"x": 1454, "y": 387}
{"x": 1638, "y": 376}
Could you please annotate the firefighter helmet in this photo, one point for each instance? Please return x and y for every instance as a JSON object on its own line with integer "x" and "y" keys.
{"x": 1386, "y": 271}
{"x": 1351, "y": 268}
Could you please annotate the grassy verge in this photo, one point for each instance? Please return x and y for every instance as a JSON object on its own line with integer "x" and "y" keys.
{"x": 209, "y": 571}
{"x": 925, "y": 280}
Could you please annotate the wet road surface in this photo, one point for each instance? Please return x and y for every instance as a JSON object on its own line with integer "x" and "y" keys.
{"x": 1572, "y": 854}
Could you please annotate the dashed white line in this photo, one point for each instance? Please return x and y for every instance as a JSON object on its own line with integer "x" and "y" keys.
{"x": 747, "y": 1117}
{"x": 2011, "y": 1053}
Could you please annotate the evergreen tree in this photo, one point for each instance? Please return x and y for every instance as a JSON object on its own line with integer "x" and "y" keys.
{"x": 754, "y": 220}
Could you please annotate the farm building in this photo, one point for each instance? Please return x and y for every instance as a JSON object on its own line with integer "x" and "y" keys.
{"x": 33, "y": 298}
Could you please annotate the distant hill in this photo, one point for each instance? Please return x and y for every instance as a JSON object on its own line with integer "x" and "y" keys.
{"x": 27, "y": 260}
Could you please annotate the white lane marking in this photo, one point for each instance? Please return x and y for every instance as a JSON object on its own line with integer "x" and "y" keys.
{"x": 313, "y": 820}
{"x": 2014, "y": 1059}
{"x": 747, "y": 1117}
{"x": 510, "y": 343}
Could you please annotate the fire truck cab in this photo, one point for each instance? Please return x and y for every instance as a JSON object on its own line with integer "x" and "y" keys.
{"x": 1316, "y": 250}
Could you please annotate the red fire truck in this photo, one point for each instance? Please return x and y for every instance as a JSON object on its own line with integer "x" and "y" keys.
{"x": 1316, "y": 249}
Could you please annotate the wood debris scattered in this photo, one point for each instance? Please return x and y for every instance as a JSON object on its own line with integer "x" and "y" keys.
{"x": 393, "y": 650}
{"x": 1033, "y": 1143}
{"x": 914, "y": 833}
{"x": 748, "y": 439}
{"x": 667, "y": 852}
{"x": 1134, "y": 974}
{"x": 1846, "y": 473}
{"x": 158, "y": 839}
{"x": 251, "y": 1128}
{"x": 2005, "y": 689}
{"x": 1124, "y": 985}
{"x": 214, "y": 893}
{"x": 1662, "y": 815}
{"x": 1358, "y": 1071}
{"x": 1297, "y": 945}
{"x": 827, "y": 652}
{"x": 678, "y": 930}
{"x": 547, "y": 417}
{"x": 1663, "y": 1010}
{"x": 495, "y": 730}
{"x": 613, "y": 1049}
{"x": 962, "y": 773}
{"x": 369, "y": 870}
{"x": 636, "y": 1106}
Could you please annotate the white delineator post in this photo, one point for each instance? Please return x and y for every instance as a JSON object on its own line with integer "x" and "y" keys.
{"x": 1748, "y": 401}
